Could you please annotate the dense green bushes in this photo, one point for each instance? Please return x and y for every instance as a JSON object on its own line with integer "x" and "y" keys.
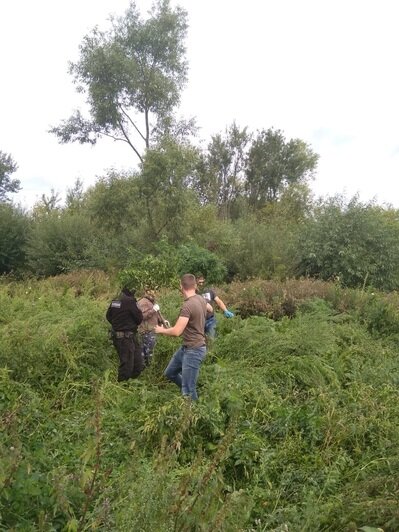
{"x": 354, "y": 242}
{"x": 165, "y": 268}
{"x": 296, "y": 427}
{"x": 121, "y": 223}
{"x": 13, "y": 234}
{"x": 59, "y": 244}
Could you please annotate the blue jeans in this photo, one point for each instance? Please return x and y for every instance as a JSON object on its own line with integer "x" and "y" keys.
{"x": 210, "y": 326}
{"x": 183, "y": 369}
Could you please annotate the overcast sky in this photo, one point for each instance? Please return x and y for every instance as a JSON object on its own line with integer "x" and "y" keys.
{"x": 325, "y": 71}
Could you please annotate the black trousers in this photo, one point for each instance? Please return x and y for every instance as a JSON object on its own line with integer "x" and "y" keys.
{"x": 130, "y": 357}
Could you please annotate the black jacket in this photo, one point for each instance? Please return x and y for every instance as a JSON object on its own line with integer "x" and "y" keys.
{"x": 124, "y": 314}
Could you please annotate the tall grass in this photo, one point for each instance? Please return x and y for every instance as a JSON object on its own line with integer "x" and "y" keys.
{"x": 297, "y": 426}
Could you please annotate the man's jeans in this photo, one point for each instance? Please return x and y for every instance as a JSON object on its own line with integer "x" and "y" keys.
{"x": 210, "y": 326}
{"x": 183, "y": 369}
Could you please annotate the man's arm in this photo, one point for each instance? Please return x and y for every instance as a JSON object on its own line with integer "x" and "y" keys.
{"x": 223, "y": 307}
{"x": 220, "y": 303}
{"x": 176, "y": 330}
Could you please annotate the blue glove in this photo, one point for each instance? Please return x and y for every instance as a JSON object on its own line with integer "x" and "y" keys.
{"x": 228, "y": 314}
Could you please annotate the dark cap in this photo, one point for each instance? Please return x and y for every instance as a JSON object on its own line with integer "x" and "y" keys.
{"x": 128, "y": 292}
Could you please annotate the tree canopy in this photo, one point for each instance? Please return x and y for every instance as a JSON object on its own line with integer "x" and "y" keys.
{"x": 355, "y": 243}
{"x": 221, "y": 172}
{"x": 274, "y": 163}
{"x": 132, "y": 76}
{"x": 7, "y": 185}
{"x": 243, "y": 196}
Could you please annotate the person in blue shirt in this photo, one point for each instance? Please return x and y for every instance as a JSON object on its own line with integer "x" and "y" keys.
{"x": 211, "y": 297}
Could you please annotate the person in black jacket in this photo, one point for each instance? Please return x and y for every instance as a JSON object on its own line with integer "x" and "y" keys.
{"x": 124, "y": 316}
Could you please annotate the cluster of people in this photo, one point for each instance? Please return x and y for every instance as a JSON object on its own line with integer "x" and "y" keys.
{"x": 135, "y": 325}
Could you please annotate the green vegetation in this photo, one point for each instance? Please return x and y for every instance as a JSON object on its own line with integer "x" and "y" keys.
{"x": 236, "y": 206}
{"x": 296, "y": 427}
{"x": 7, "y": 185}
{"x": 132, "y": 77}
{"x": 110, "y": 227}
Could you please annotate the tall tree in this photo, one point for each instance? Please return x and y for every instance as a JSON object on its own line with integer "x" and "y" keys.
{"x": 112, "y": 203}
{"x": 274, "y": 163}
{"x": 7, "y": 185}
{"x": 220, "y": 178}
{"x": 75, "y": 196}
{"x": 164, "y": 191}
{"x": 47, "y": 204}
{"x": 132, "y": 76}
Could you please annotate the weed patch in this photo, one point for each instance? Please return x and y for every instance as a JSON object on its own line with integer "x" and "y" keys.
{"x": 296, "y": 427}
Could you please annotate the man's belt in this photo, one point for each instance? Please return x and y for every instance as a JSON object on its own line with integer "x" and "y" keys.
{"x": 123, "y": 334}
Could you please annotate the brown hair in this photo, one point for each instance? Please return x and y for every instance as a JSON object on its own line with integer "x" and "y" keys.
{"x": 188, "y": 281}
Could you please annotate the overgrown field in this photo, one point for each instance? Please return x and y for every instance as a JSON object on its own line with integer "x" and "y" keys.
{"x": 297, "y": 426}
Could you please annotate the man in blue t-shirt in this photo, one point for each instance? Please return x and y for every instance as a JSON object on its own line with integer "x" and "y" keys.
{"x": 210, "y": 297}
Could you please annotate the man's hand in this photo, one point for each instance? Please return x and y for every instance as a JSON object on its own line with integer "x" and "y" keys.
{"x": 176, "y": 330}
{"x": 156, "y": 307}
{"x": 228, "y": 314}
